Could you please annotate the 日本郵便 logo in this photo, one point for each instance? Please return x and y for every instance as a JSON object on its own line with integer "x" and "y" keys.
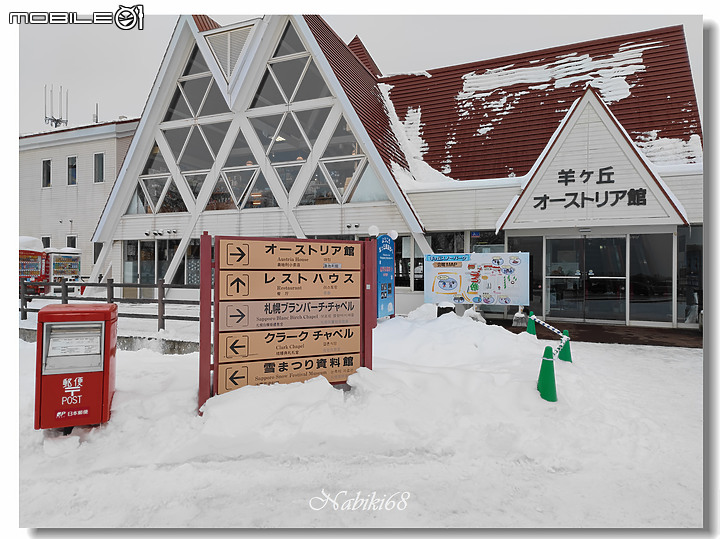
{"x": 125, "y": 17}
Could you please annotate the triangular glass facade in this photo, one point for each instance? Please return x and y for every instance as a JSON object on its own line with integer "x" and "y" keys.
{"x": 172, "y": 201}
{"x": 288, "y": 174}
{"x": 195, "y": 183}
{"x": 155, "y": 163}
{"x": 155, "y": 188}
{"x": 138, "y": 203}
{"x": 220, "y": 199}
{"x": 318, "y": 191}
{"x": 261, "y": 195}
{"x": 290, "y": 43}
{"x": 239, "y": 181}
{"x": 368, "y": 188}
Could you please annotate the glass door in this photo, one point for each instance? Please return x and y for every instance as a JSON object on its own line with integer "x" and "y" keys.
{"x": 586, "y": 278}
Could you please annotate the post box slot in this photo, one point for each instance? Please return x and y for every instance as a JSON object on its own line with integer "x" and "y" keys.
{"x": 72, "y": 347}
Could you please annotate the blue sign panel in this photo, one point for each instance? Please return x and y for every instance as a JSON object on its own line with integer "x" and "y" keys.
{"x": 385, "y": 276}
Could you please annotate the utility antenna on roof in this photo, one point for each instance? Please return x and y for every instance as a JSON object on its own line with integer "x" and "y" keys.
{"x": 56, "y": 122}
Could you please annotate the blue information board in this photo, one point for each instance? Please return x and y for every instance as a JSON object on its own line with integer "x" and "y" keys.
{"x": 385, "y": 276}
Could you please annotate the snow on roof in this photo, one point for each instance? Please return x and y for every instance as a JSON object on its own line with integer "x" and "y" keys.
{"x": 29, "y": 243}
{"x": 492, "y": 119}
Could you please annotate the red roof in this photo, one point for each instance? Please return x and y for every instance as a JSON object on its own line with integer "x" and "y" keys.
{"x": 493, "y": 118}
{"x": 205, "y": 23}
{"x": 359, "y": 50}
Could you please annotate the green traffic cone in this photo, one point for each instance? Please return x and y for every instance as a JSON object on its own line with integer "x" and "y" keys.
{"x": 531, "y": 324}
{"x": 546, "y": 379}
{"x": 565, "y": 353}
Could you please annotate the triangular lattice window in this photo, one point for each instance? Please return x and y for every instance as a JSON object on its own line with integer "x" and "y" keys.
{"x": 155, "y": 188}
{"x": 265, "y": 128}
{"x": 288, "y": 74}
{"x": 195, "y": 183}
{"x": 196, "y": 155}
{"x": 239, "y": 181}
{"x": 312, "y": 122}
{"x": 155, "y": 163}
{"x": 312, "y": 86}
{"x": 240, "y": 154}
{"x": 342, "y": 173}
{"x": 214, "y": 102}
{"x": 289, "y": 144}
{"x": 172, "y": 201}
{"x": 368, "y": 188}
{"x": 342, "y": 142}
{"x": 196, "y": 63}
{"x": 178, "y": 108}
{"x": 261, "y": 195}
{"x": 220, "y": 199}
{"x": 138, "y": 203}
{"x": 288, "y": 174}
{"x": 318, "y": 191}
{"x": 215, "y": 134}
{"x": 268, "y": 93}
{"x": 289, "y": 43}
{"x": 176, "y": 140}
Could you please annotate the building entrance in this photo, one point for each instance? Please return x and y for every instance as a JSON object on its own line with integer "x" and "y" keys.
{"x": 586, "y": 278}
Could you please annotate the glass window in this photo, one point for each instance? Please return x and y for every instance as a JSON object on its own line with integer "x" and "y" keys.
{"x": 130, "y": 261}
{"x": 418, "y": 268}
{"x": 176, "y": 140}
{"x": 690, "y": 273}
{"x": 215, "y": 134}
{"x": 402, "y": 261}
{"x": 289, "y": 43}
{"x": 155, "y": 163}
{"x": 289, "y": 144}
{"x": 99, "y": 167}
{"x": 196, "y": 63}
{"x": 312, "y": 85}
{"x": 138, "y": 203}
{"x": 342, "y": 142}
{"x": 288, "y": 74}
{"x": 72, "y": 170}
{"x": 97, "y": 247}
{"x": 486, "y": 241}
{"x": 368, "y": 188}
{"x": 651, "y": 277}
{"x": 214, "y": 102}
{"x": 288, "y": 174}
{"x": 195, "y": 90}
{"x": 312, "y": 122}
{"x": 147, "y": 267}
{"x": 178, "y": 108}
{"x": 240, "y": 154}
{"x": 448, "y": 242}
{"x": 196, "y": 155}
{"x": 154, "y": 188}
{"x": 265, "y": 128}
{"x": 261, "y": 195}
{"x": 318, "y": 191}
{"x": 342, "y": 172}
{"x": 195, "y": 183}
{"x": 46, "y": 173}
{"x": 71, "y": 241}
{"x": 172, "y": 202}
{"x": 220, "y": 199}
{"x": 45, "y": 241}
{"x": 532, "y": 245}
{"x": 268, "y": 93}
{"x": 238, "y": 181}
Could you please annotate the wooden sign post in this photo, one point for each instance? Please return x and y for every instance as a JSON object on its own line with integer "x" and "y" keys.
{"x": 284, "y": 310}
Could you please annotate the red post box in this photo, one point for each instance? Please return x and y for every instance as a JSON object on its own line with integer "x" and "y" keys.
{"x": 75, "y": 372}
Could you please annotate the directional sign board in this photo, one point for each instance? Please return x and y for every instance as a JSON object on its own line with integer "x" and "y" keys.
{"x": 288, "y": 310}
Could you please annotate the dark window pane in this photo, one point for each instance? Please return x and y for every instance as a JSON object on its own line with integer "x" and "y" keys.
{"x": 214, "y": 102}
{"x": 172, "y": 202}
{"x": 318, "y": 191}
{"x": 651, "y": 277}
{"x": 342, "y": 142}
{"x": 289, "y": 144}
{"x": 238, "y": 181}
{"x": 312, "y": 121}
{"x": 46, "y": 173}
{"x": 486, "y": 241}
{"x": 154, "y": 187}
{"x": 195, "y": 182}
{"x": 196, "y": 63}
{"x": 138, "y": 203}
{"x": 265, "y": 128}
{"x": 155, "y": 163}
{"x": 195, "y": 90}
{"x": 288, "y": 74}
{"x": 215, "y": 134}
{"x": 447, "y": 242}
{"x": 196, "y": 155}
{"x": 288, "y": 175}
{"x": 220, "y": 198}
{"x": 240, "y": 154}
{"x": 689, "y": 273}
{"x": 402, "y": 261}
{"x": 341, "y": 173}
{"x": 289, "y": 42}
{"x": 261, "y": 195}
{"x": 178, "y": 109}
{"x": 176, "y": 139}
{"x": 268, "y": 93}
{"x": 99, "y": 167}
{"x": 312, "y": 86}
{"x": 72, "y": 171}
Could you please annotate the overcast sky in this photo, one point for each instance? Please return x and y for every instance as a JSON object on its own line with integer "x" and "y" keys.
{"x": 116, "y": 68}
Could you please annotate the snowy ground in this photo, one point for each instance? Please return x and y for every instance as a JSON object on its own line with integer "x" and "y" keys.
{"x": 448, "y": 429}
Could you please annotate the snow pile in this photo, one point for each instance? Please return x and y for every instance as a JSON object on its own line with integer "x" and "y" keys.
{"x": 29, "y": 243}
{"x": 450, "y": 415}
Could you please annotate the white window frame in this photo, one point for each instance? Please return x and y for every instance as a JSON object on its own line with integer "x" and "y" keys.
{"x": 95, "y": 170}
{"x": 68, "y": 169}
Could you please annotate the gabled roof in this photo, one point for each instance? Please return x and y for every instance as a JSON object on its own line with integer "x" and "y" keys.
{"x": 205, "y": 23}
{"x": 492, "y": 119}
{"x": 359, "y": 50}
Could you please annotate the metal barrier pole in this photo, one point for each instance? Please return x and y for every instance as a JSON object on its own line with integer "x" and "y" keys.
{"x": 23, "y": 300}
{"x": 161, "y": 304}
{"x": 110, "y": 290}
{"x": 63, "y": 291}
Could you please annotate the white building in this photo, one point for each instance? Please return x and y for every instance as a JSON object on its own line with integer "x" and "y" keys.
{"x": 588, "y": 156}
{"x": 65, "y": 178}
